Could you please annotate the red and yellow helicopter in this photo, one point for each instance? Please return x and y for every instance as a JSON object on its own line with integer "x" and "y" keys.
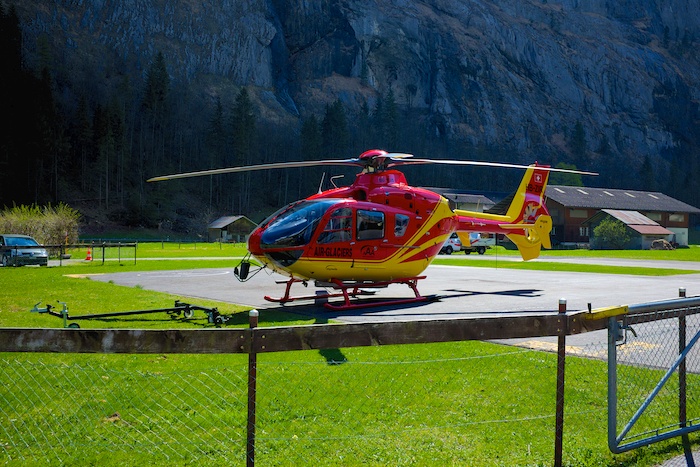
{"x": 380, "y": 230}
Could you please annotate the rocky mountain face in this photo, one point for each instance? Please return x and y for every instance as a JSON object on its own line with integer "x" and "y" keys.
{"x": 515, "y": 74}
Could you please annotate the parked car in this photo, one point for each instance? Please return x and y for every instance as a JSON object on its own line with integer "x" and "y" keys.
{"x": 20, "y": 250}
{"x": 451, "y": 245}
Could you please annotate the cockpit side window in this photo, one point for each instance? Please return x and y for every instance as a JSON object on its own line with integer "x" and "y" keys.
{"x": 338, "y": 228}
{"x": 370, "y": 225}
{"x": 294, "y": 226}
{"x": 400, "y": 225}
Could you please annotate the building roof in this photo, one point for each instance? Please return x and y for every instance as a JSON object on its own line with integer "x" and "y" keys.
{"x": 608, "y": 198}
{"x": 650, "y": 229}
{"x": 635, "y": 221}
{"x": 222, "y": 222}
{"x": 630, "y": 217}
{"x": 468, "y": 198}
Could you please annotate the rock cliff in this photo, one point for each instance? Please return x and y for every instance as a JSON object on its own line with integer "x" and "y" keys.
{"x": 517, "y": 74}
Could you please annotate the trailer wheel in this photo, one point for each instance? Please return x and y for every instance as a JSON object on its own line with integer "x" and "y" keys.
{"x": 187, "y": 314}
{"x": 74, "y": 326}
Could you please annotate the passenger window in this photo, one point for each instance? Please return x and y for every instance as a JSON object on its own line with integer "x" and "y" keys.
{"x": 370, "y": 225}
{"x": 400, "y": 225}
{"x": 338, "y": 228}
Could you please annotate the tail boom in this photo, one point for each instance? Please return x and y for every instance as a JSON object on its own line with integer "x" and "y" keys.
{"x": 526, "y": 223}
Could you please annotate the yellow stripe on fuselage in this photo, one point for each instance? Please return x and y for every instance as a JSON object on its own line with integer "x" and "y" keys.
{"x": 392, "y": 267}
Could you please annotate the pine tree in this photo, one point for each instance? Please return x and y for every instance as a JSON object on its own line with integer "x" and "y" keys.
{"x": 156, "y": 109}
{"x": 311, "y": 149}
{"x": 578, "y": 144}
{"x": 243, "y": 144}
{"x": 216, "y": 146}
{"x": 243, "y": 129}
{"x": 391, "y": 117}
{"x": 646, "y": 175}
{"x": 334, "y": 130}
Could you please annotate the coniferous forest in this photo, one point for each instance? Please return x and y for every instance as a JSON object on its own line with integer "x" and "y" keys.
{"x": 93, "y": 145}
{"x": 63, "y": 144}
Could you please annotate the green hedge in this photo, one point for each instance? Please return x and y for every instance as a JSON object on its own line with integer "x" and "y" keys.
{"x": 49, "y": 225}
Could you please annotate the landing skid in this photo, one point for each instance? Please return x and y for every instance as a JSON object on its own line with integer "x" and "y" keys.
{"x": 354, "y": 289}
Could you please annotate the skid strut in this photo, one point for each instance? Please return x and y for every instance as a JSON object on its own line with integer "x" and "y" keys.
{"x": 349, "y": 290}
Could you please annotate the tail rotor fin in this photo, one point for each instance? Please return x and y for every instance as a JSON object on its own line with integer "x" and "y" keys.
{"x": 529, "y": 221}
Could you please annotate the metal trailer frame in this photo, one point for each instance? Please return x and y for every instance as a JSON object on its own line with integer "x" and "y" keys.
{"x": 187, "y": 310}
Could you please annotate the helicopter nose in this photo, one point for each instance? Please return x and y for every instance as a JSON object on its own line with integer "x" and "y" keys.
{"x": 254, "y": 242}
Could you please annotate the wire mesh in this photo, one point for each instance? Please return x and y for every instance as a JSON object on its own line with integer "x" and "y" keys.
{"x": 647, "y": 404}
{"x": 87, "y": 413}
{"x": 461, "y": 403}
{"x": 396, "y": 405}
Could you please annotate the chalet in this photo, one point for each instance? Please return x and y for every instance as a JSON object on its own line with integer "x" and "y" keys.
{"x": 230, "y": 229}
{"x": 570, "y": 208}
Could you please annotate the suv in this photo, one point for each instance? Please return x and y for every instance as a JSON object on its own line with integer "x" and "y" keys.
{"x": 19, "y": 250}
{"x": 453, "y": 244}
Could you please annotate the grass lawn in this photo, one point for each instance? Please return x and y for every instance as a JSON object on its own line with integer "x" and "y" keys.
{"x": 464, "y": 403}
{"x": 567, "y": 267}
{"x": 691, "y": 253}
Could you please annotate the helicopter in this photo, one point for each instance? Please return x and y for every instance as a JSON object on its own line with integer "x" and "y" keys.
{"x": 380, "y": 230}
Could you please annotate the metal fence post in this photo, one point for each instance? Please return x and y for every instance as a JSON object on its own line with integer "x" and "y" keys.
{"x": 613, "y": 334}
{"x": 561, "y": 360}
{"x": 682, "y": 383}
{"x": 681, "y": 367}
{"x": 252, "y": 391}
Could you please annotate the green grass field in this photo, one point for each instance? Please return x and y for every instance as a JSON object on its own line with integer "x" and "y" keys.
{"x": 465, "y": 403}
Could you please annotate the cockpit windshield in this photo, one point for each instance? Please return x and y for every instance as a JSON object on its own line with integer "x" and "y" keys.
{"x": 294, "y": 225}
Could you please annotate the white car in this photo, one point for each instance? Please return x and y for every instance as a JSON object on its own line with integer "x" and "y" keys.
{"x": 452, "y": 245}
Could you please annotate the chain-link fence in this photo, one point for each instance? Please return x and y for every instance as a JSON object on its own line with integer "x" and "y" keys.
{"x": 459, "y": 402}
{"x": 95, "y": 410}
{"x": 656, "y": 370}
{"x": 439, "y": 404}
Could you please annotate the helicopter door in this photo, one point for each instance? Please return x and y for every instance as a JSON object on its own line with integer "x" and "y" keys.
{"x": 370, "y": 225}
{"x": 370, "y": 234}
{"x": 338, "y": 228}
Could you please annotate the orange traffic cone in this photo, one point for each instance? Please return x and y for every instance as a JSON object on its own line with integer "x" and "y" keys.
{"x": 88, "y": 257}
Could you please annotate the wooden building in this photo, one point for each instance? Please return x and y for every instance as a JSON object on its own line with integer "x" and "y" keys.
{"x": 230, "y": 229}
{"x": 570, "y": 208}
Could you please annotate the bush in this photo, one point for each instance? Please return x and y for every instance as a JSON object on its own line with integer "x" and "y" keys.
{"x": 611, "y": 234}
{"x": 49, "y": 225}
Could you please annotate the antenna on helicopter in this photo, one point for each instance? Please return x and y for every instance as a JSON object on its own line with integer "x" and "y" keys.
{"x": 320, "y": 185}
{"x": 333, "y": 180}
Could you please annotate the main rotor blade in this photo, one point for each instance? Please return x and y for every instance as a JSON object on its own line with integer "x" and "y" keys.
{"x": 488, "y": 164}
{"x": 248, "y": 168}
{"x": 394, "y": 158}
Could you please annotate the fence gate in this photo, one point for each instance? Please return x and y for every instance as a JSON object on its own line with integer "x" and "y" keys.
{"x": 654, "y": 373}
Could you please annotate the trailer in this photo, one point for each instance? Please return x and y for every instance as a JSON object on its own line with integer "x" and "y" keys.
{"x": 187, "y": 310}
